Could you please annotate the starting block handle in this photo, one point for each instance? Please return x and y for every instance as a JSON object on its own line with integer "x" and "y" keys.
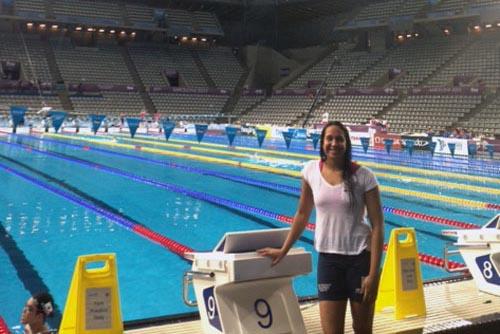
{"x": 104, "y": 271}
{"x": 410, "y": 236}
{"x": 446, "y": 255}
{"x": 188, "y": 280}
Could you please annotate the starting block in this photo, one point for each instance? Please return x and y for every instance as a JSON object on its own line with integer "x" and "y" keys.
{"x": 401, "y": 287}
{"x": 93, "y": 302}
{"x": 237, "y": 290}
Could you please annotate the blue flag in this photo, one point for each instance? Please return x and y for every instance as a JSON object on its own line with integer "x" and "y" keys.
{"x": 168, "y": 127}
{"x": 17, "y": 114}
{"x": 261, "y": 134}
{"x": 365, "y": 142}
{"x": 432, "y": 147}
{"x": 315, "y": 138}
{"x": 96, "y": 121}
{"x": 388, "y": 144}
{"x": 288, "y": 135}
{"x": 231, "y": 133}
{"x": 472, "y": 149}
{"x": 410, "y": 145}
{"x": 57, "y": 119}
{"x": 200, "y": 131}
{"x": 451, "y": 146}
{"x": 133, "y": 124}
{"x": 491, "y": 149}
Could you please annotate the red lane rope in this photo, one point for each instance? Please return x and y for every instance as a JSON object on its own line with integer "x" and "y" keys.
{"x": 170, "y": 244}
{"x": 434, "y": 219}
{"x": 3, "y": 327}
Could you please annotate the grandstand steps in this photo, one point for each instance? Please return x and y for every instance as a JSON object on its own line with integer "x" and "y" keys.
{"x": 352, "y": 82}
{"x": 486, "y": 100}
{"x": 49, "y": 9}
{"x": 66, "y": 103}
{"x": 390, "y": 106}
{"x": 202, "y": 69}
{"x": 445, "y": 65}
{"x": 146, "y": 99}
{"x": 62, "y": 92}
{"x": 299, "y": 71}
{"x": 124, "y": 13}
{"x": 232, "y": 101}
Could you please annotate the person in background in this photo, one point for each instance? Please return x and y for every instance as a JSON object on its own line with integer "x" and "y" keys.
{"x": 349, "y": 246}
{"x": 35, "y": 312}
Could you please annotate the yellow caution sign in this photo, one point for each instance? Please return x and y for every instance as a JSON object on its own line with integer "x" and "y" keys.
{"x": 93, "y": 302}
{"x": 401, "y": 287}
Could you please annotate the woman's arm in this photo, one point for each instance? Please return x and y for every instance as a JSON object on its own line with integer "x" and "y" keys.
{"x": 300, "y": 219}
{"x": 376, "y": 217}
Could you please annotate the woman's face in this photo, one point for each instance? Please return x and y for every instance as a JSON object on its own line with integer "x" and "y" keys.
{"x": 334, "y": 144}
{"x": 30, "y": 312}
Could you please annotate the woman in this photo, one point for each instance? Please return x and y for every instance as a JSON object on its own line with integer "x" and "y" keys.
{"x": 349, "y": 248}
{"x": 35, "y": 312}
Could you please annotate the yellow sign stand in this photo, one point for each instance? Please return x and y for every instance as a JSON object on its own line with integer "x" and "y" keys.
{"x": 93, "y": 302}
{"x": 401, "y": 285}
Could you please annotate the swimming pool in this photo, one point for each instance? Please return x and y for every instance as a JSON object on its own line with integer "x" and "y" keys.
{"x": 66, "y": 196}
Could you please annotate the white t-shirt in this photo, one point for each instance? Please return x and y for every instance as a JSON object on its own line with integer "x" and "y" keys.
{"x": 340, "y": 229}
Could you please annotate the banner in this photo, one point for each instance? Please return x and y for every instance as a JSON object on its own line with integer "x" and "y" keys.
{"x": 298, "y": 92}
{"x": 315, "y": 138}
{"x": 379, "y": 137}
{"x": 186, "y": 90}
{"x": 446, "y": 91}
{"x": 133, "y": 124}
{"x": 96, "y": 121}
{"x": 409, "y": 144}
{"x": 365, "y": 142}
{"x": 388, "y": 144}
{"x": 432, "y": 147}
{"x": 57, "y": 119}
{"x": 491, "y": 149}
{"x": 261, "y": 134}
{"x": 287, "y": 135}
{"x": 231, "y": 133}
{"x": 17, "y": 114}
{"x": 366, "y": 91}
{"x": 168, "y": 127}
{"x": 200, "y": 131}
{"x": 443, "y": 147}
{"x": 472, "y": 149}
{"x": 419, "y": 142}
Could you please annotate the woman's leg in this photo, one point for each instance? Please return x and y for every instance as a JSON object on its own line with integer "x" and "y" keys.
{"x": 362, "y": 317}
{"x": 332, "y": 314}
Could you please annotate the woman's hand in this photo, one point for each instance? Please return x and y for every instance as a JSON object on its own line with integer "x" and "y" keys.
{"x": 369, "y": 287}
{"x": 276, "y": 254}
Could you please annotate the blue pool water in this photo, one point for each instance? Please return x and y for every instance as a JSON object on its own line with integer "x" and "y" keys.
{"x": 44, "y": 226}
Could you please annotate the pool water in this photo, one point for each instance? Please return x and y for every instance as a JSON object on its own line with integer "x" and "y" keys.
{"x": 67, "y": 196}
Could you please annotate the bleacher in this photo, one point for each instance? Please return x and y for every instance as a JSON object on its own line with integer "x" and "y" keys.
{"x": 417, "y": 59}
{"x": 222, "y": 66}
{"x": 33, "y": 9}
{"x": 33, "y": 62}
{"x": 345, "y": 65}
{"x": 418, "y": 113}
{"x": 151, "y": 60}
{"x": 481, "y": 59}
{"x": 89, "y": 11}
{"x": 280, "y": 110}
{"x": 189, "y": 106}
{"x": 352, "y": 108}
{"x": 486, "y": 121}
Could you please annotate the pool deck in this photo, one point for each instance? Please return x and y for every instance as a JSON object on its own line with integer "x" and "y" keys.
{"x": 452, "y": 307}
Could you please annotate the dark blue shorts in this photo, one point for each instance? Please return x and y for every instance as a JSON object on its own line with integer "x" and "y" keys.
{"x": 339, "y": 276}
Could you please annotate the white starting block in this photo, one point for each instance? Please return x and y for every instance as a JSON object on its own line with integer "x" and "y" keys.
{"x": 480, "y": 249}
{"x": 238, "y": 291}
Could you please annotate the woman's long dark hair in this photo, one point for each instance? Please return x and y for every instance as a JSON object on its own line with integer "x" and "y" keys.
{"x": 347, "y": 170}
